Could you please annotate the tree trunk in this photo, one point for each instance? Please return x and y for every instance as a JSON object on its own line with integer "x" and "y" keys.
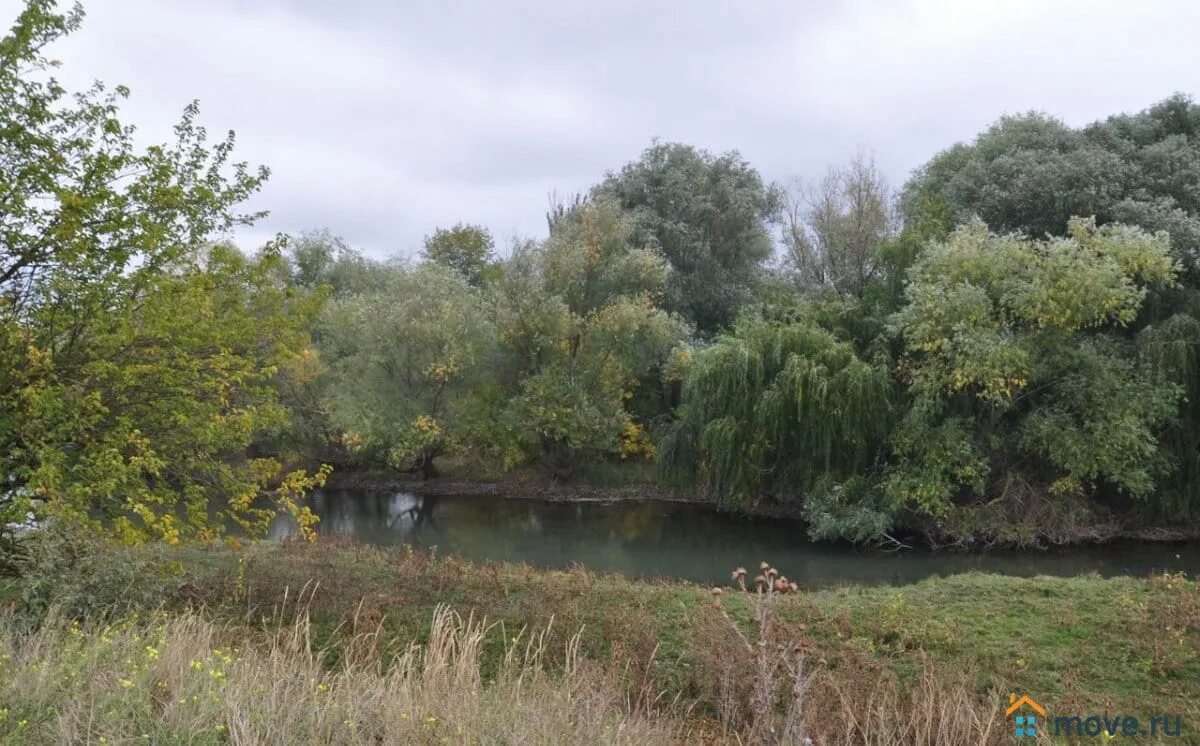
{"x": 425, "y": 466}
{"x": 558, "y": 458}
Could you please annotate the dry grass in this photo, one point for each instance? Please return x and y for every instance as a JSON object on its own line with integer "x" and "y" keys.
{"x": 175, "y": 679}
{"x": 933, "y": 708}
{"x": 766, "y": 690}
{"x": 927, "y": 663}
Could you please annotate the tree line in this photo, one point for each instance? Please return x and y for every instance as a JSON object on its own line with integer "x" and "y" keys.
{"x": 1005, "y": 346}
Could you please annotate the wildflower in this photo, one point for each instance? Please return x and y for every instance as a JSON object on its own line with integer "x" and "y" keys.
{"x": 196, "y": 665}
{"x": 739, "y": 576}
{"x": 125, "y": 683}
{"x": 322, "y": 688}
{"x": 716, "y": 597}
{"x": 152, "y": 652}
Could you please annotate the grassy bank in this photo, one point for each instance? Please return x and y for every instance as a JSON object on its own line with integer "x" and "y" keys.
{"x": 656, "y": 660}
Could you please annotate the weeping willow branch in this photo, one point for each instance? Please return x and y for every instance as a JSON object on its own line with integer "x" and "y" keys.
{"x": 772, "y": 408}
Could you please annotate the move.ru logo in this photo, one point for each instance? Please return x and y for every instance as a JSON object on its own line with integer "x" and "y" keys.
{"x": 1026, "y": 712}
{"x": 1026, "y": 724}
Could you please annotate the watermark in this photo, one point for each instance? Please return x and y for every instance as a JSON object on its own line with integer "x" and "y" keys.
{"x": 1027, "y": 716}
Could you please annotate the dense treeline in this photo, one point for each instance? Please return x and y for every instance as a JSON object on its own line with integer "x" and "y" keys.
{"x": 1005, "y": 347}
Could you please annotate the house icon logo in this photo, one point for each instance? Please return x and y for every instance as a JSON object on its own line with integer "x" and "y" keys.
{"x": 1026, "y": 724}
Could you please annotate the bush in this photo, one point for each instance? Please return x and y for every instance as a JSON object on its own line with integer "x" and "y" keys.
{"x": 856, "y": 510}
{"x": 81, "y": 574}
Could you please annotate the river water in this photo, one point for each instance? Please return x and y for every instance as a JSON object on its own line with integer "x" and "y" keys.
{"x": 653, "y": 538}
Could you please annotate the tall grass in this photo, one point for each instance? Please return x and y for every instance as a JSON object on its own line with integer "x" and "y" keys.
{"x": 182, "y": 679}
{"x": 766, "y": 690}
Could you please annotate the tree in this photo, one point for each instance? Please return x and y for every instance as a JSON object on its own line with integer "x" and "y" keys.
{"x": 578, "y": 319}
{"x": 833, "y": 230}
{"x": 404, "y": 358}
{"x": 136, "y": 354}
{"x": 708, "y": 215}
{"x": 1024, "y": 385}
{"x": 1031, "y": 173}
{"x": 319, "y": 259}
{"x": 320, "y": 267}
{"x": 466, "y": 249}
{"x": 771, "y": 410}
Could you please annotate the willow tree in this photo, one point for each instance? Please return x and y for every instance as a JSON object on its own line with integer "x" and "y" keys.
{"x": 708, "y": 215}
{"x": 773, "y": 410}
{"x": 1169, "y": 351}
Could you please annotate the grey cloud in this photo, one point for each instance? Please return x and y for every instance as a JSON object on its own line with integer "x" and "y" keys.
{"x": 381, "y": 120}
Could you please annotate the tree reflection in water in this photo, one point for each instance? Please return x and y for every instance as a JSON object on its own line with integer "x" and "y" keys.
{"x": 678, "y": 540}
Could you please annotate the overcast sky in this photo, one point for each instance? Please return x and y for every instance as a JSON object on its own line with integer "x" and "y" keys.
{"x": 382, "y": 119}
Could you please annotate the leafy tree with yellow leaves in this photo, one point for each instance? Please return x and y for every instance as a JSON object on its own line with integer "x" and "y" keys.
{"x": 1021, "y": 372}
{"x": 580, "y": 328}
{"x": 136, "y": 354}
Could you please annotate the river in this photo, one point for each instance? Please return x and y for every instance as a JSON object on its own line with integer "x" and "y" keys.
{"x": 651, "y": 538}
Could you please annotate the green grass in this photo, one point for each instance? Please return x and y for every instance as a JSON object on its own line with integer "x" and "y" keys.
{"x": 1090, "y": 643}
{"x": 1096, "y": 643}
{"x": 1077, "y": 645}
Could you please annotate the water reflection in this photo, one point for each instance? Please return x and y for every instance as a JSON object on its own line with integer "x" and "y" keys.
{"x": 678, "y": 540}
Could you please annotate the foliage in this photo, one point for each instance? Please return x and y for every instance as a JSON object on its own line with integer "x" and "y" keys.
{"x": 137, "y": 354}
{"x": 855, "y": 510}
{"x": 405, "y": 358}
{"x": 771, "y": 408}
{"x": 1015, "y": 364}
{"x": 833, "y": 229}
{"x": 1169, "y": 352}
{"x": 466, "y": 249}
{"x": 707, "y": 214}
{"x": 80, "y": 574}
{"x": 1032, "y": 173}
{"x": 577, "y": 318}
{"x": 321, "y": 268}
{"x": 319, "y": 259}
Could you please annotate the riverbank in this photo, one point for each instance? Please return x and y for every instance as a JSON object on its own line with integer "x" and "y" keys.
{"x": 882, "y": 656}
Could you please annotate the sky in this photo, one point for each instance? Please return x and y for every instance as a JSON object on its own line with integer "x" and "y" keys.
{"x": 381, "y": 120}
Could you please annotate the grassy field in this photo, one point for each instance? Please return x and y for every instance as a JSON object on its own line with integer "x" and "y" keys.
{"x": 925, "y": 663}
